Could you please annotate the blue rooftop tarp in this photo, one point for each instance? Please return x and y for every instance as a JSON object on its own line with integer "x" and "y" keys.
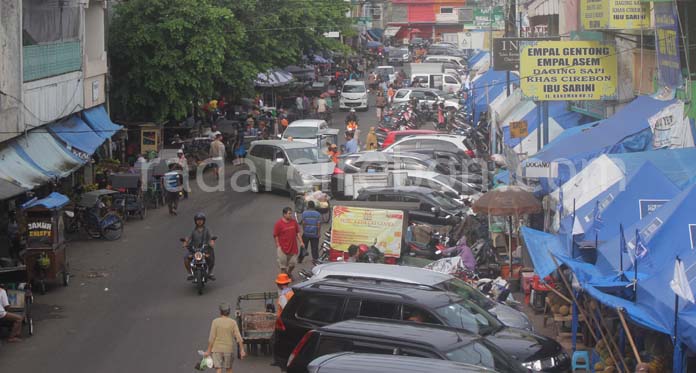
{"x": 76, "y": 133}
{"x": 671, "y": 226}
{"x": 99, "y": 120}
{"x": 52, "y": 201}
{"x": 625, "y": 202}
{"x": 375, "y": 33}
{"x": 541, "y": 246}
{"x": 679, "y": 165}
{"x": 476, "y": 58}
{"x": 487, "y": 87}
{"x": 373, "y": 44}
{"x": 558, "y": 111}
{"x": 627, "y": 131}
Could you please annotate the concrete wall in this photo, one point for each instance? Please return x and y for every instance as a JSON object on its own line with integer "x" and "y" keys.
{"x": 10, "y": 68}
{"x": 94, "y": 66}
{"x": 53, "y": 98}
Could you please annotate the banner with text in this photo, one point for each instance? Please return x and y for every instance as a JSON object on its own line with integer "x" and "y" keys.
{"x": 506, "y": 52}
{"x": 568, "y": 70}
{"x": 357, "y": 225}
{"x": 666, "y": 30}
{"x": 614, "y": 14}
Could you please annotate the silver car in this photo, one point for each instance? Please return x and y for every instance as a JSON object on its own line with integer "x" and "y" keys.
{"x": 288, "y": 165}
{"x": 418, "y": 276}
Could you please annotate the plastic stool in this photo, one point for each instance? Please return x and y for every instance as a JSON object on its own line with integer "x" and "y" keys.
{"x": 586, "y": 364}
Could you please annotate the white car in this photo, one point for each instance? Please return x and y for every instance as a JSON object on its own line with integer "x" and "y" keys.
{"x": 427, "y": 95}
{"x": 353, "y": 95}
{"x": 305, "y": 130}
{"x": 451, "y": 186}
{"x": 442, "y": 142}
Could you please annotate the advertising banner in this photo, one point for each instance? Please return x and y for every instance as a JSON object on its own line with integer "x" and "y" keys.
{"x": 357, "y": 225}
{"x": 666, "y": 27}
{"x": 614, "y": 14}
{"x": 519, "y": 129}
{"x": 648, "y": 206}
{"x": 568, "y": 70}
{"x": 667, "y": 126}
{"x": 506, "y": 52}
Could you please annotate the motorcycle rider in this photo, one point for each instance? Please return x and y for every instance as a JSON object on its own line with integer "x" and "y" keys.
{"x": 464, "y": 252}
{"x": 199, "y": 236}
{"x": 352, "y": 120}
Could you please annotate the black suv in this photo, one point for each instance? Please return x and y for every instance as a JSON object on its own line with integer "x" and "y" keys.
{"x": 349, "y": 362}
{"x": 406, "y": 338}
{"x": 321, "y": 302}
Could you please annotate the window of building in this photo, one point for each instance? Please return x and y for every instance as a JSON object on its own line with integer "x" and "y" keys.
{"x": 446, "y": 10}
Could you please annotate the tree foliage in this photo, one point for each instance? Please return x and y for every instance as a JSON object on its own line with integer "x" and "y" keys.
{"x": 166, "y": 54}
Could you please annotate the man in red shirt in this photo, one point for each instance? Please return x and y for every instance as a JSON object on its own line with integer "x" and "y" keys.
{"x": 288, "y": 236}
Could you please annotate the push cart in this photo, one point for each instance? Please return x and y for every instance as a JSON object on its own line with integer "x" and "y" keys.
{"x": 130, "y": 197}
{"x": 15, "y": 282}
{"x": 257, "y": 325}
{"x": 323, "y": 207}
{"x": 45, "y": 255}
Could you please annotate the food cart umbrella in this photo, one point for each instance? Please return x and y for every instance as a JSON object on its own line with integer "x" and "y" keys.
{"x": 507, "y": 201}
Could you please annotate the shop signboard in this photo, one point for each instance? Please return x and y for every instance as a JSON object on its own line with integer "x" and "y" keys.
{"x": 540, "y": 169}
{"x": 39, "y": 232}
{"x": 358, "y": 225}
{"x": 614, "y": 14}
{"x": 648, "y": 206}
{"x": 568, "y": 70}
{"x": 519, "y": 129}
{"x": 666, "y": 126}
{"x": 506, "y": 52}
{"x": 668, "y": 63}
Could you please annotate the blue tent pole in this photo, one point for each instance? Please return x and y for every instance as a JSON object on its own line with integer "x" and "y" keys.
{"x": 572, "y": 226}
{"x": 621, "y": 248}
{"x": 635, "y": 270}
{"x": 574, "y": 326}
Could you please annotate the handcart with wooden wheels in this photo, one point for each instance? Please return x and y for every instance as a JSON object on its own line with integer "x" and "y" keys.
{"x": 257, "y": 325}
{"x": 45, "y": 254}
{"x": 19, "y": 295}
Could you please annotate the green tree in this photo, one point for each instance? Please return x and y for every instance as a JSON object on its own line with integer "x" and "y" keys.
{"x": 166, "y": 53}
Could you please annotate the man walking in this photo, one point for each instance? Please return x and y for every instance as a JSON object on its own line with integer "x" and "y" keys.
{"x": 380, "y": 103}
{"x": 217, "y": 154}
{"x": 223, "y": 333}
{"x": 351, "y": 143}
{"x": 287, "y": 234}
{"x": 299, "y": 103}
{"x": 311, "y": 228}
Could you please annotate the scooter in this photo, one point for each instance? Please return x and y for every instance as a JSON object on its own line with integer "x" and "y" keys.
{"x": 200, "y": 270}
{"x": 432, "y": 249}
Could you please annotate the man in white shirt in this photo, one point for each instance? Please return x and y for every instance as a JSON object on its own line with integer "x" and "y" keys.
{"x": 15, "y": 319}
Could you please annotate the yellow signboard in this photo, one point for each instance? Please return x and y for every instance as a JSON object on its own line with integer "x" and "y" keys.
{"x": 614, "y": 14}
{"x": 568, "y": 70}
{"x": 357, "y": 225}
{"x": 519, "y": 129}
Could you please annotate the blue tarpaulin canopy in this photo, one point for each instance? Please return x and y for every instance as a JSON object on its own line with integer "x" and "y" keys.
{"x": 487, "y": 87}
{"x": 273, "y": 78}
{"x": 677, "y": 164}
{"x": 473, "y": 60}
{"x": 626, "y": 131}
{"x": 373, "y": 44}
{"x": 375, "y": 33}
{"x": 52, "y": 201}
{"x": 625, "y": 202}
{"x": 46, "y": 154}
{"x": 76, "y": 133}
{"x": 99, "y": 120}
{"x": 541, "y": 246}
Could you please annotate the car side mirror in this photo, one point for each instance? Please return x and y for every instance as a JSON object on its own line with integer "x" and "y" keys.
{"x": 280, "y": 160}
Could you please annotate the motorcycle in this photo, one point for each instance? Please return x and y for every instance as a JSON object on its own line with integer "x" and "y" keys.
{"x": 200, "y": 271}
{"x": 431, "y": 250}
{"x": 486, "y": 260}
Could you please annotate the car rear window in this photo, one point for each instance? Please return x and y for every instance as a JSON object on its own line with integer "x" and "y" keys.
{"x": 401, "y": 93}
{"x": 320, "y": 308}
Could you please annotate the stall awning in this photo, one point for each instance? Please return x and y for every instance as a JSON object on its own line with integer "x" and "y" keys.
{"x": 273, "y": 78}
{"x": 99, "y": 120}
{"x": 391, "y": 31}
{"x": 18, "y": 171}
{"x": 46, "y": 154}
{"x": 52, "y": 201}
{"x": 9, "y": 189}
{"x": 78, "y": 136}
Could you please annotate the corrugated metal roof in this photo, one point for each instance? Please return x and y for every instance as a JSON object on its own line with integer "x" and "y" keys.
{"x": 47, "y": 154}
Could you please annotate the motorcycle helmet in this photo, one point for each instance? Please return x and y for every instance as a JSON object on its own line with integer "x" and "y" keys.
{"x": 363, "y": 249}
{"x": 199, "y": 216}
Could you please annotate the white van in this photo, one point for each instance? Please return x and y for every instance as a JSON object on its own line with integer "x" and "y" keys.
{"x": 353, "y": 95}
{"x": 448, "y": 83}
{"x": 305, "y": 130}
{"x": 453, "y": 59}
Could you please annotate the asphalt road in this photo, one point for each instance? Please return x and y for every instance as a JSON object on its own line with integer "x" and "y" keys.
{"x": 128, "y": 307}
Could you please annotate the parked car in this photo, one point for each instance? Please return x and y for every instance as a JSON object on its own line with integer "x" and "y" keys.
{"x": 426, "y": 95}
{"x": 387, "y": 73}
{"x": 318, "y": 303}
{"x": 305, "y": 130}
{"x": 457, "y": 162}
{"x": 445, "y": 50}
{"x": 418, "y": 276}
{"x": 349, "y": 362}
{"x": 386, "y": 137}
{"x": 399, "y": 56}
{"x": 372, "y": 162}
{"x": 400, "y": 339}
{"x": 440, "y": 203}
{"x": 458, "y": 60}
{"x": 288, "y": 165}
{"x": 444, "y": 183}
{"x": 353, "y": 96}
{"x": 451, "y": 143}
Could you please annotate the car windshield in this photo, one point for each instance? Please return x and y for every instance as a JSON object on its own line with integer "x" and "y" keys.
{"x": 353, "y": 88}
{"x": 465, "y": 291}
{"x": 385, "y": 70}
{"x": 306, "y": 155}
{"x": 484, "y": 353}
{"x": 398, "y": 52}
{"x": 445, "y": 201}
{"x": 450, "y": 182}
{"x": 300, "y": 132}
{"x": 468, "y": 316}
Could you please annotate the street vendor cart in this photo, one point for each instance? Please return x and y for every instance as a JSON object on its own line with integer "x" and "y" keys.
{"x": 130, "y": 197}
{"x": 45, "y": 255}
{"x": 19, "y": 295}
{"x": 257, "y": 326}
{"x": 321, "y": 201}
